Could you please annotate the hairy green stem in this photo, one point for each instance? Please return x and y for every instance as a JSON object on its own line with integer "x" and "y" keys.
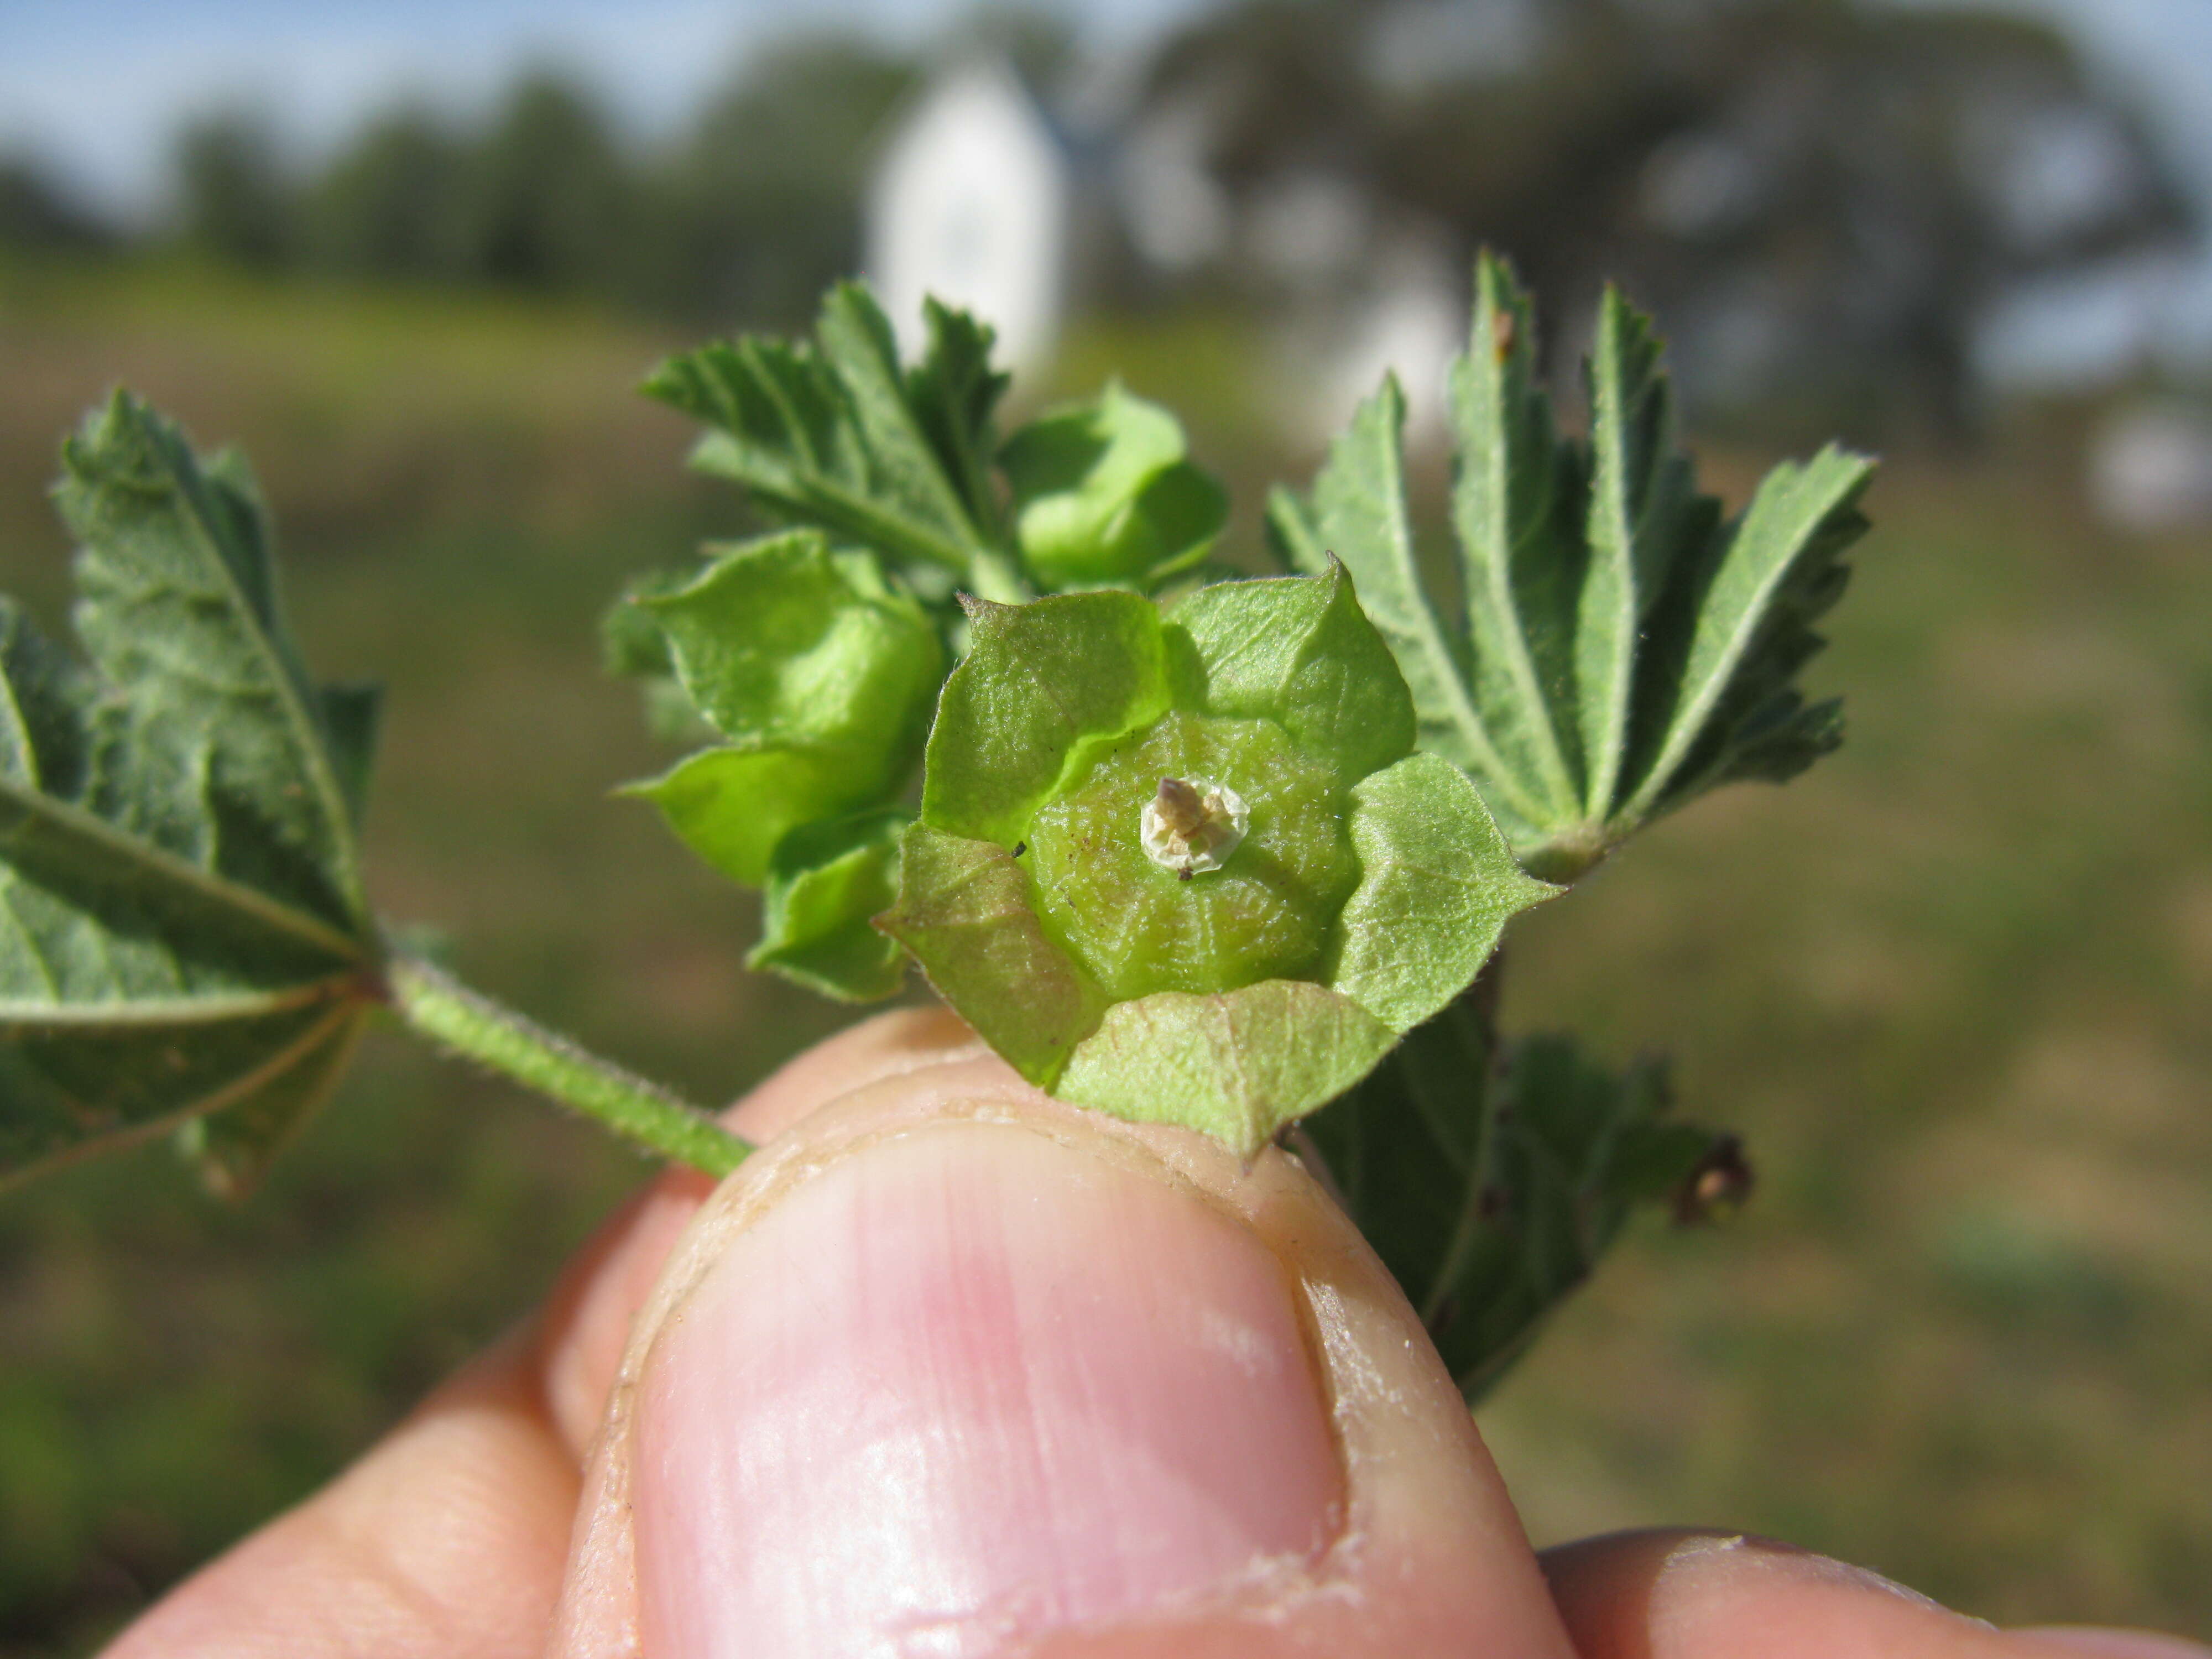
{"x": 516, "y": 1046}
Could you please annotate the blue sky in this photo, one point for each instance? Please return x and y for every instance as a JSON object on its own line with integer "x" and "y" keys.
{"x": 96, "y": 87}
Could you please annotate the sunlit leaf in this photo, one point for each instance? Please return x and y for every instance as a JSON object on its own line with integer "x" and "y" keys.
{"x": 1104, "y": 494}
{"x": 182, "y": 929}
{"x": 1491, "y": 1185}
{"x": 1619, "y": 649}
{"x": 836, "y": 435}
{"x": 826, "y": 884}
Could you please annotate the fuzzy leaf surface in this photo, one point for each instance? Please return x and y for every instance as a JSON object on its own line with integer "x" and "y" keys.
{"x": 1490, "y": 1186}
{"x": 835, "y": 434}
{"x": 1720, "y": 700}
{"x": 1300, "y": 652}
{"x": 1437, "y": 885}
{"x": 182, "y": 931}
{"x": 1620, "y": 648}
{"x": 1236, "y": 1065}
{"x": 964, "y": 911}
{"x": 1513, "y": 486}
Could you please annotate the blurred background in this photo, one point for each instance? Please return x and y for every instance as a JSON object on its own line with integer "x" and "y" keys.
{"x": 1952, "y": 986}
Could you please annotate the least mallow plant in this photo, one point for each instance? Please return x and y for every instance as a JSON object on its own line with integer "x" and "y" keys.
{"x": 1184, "y": 863}
{"x": 1234, "y": 855}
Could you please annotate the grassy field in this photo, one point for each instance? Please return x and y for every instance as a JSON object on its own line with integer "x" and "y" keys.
{"x": 1951, "y": 987}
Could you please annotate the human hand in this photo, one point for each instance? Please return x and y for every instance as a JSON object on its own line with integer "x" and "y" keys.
{"x": 949, "y": 1369}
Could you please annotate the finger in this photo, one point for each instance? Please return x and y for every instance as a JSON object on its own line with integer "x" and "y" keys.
{"x": 588, "y": 1318}
{"x": 1674, "y": 1595}
{"x": 448, "y": 1537}
{"x": 2089, "y": 1642}
{"x": 952, "y": 1367}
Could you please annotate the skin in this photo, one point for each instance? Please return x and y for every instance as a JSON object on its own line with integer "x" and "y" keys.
{"x": 949, "y": 1368}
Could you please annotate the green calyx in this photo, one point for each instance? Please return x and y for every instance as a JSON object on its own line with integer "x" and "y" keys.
{"x": 1104, "y": 497}
{"x": 1137, "y": 925}
{"x": 808, "y": 661}
{"x": 816, "y": 672}
{"x": 1075, "y": 886}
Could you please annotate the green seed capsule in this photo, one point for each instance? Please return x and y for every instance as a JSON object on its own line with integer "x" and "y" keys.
{"x": 1191, "y": 828}
{"x": 1262, "y": 907}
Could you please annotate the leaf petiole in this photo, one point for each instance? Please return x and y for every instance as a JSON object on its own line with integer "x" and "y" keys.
{"x": 514, "y": 1045}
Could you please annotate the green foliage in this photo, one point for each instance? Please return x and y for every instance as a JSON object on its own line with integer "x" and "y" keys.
{"x": 188, "y": 943}
{"x": 1103, "y": 494}
{"x": 818, "y": 677}
{"x": 827, "y": 883}
{"x": 1206, "y": 860}
{"x": 188, "y": 939}
{"x": 1622, "y": 649}
{"x": 233, "y": 198}
{"x": 1491, "y": 1182}
{"x": 1053, "y": 675}
{"x": 1365, "y": 893}
{"x": 818, "y": 655}
{"x": 836, "y": 435}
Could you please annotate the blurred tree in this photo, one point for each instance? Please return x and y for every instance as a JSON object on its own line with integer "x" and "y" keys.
{"x": 758, "y": 207}
{"x": 1820, "y": 198}
{"x": 36, "y": 213}
{"x": 233, "y": 198}
{"x": 545, "y": 199}
{"x": 388, "y": 204}
{"x": 1041, "y": 45}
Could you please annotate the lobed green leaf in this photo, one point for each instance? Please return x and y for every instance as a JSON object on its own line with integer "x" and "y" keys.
{"x": 1360, "y": 514}
{"x": 182, "y": 930}
{"x": 1718, "y": 688}
{"x": 1621, "y": 649}
{"x": 1491, "y": 1185}
{"x": 1514, "y": 487}
{"x": 1644, "y": 516}
{"x": 838, "y": 436}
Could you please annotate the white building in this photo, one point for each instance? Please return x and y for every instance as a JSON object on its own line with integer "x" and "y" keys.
{"x": 972, "y": 202}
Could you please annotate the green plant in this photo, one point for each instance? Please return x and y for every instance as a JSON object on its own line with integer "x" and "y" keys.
{"x": 1218, "y": 851}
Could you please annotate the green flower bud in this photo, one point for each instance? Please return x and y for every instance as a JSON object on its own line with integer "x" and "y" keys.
{"x": 1187, "y": 867}
{"x": 1103, "y": 495}
{"x": 816, "y": 672}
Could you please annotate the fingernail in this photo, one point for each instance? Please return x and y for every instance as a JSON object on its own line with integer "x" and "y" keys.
{"x": 1737, "y": 1557}
{"x": 964, "y": 1388}
{"x": 2087, "y": 1642}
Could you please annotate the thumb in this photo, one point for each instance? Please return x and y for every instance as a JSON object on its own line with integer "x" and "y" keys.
{"x": 950, "y": 1368}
